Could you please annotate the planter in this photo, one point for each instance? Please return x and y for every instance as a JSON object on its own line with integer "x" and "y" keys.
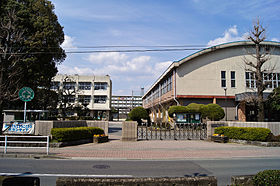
{"x": 220, "y": 139}
{"x": 100, "y": 139}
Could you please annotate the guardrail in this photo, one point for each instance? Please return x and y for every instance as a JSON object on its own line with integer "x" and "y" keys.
{"x": 16, "y": 142}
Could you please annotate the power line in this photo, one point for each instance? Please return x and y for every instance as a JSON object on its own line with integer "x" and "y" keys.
{"x": 106, "y": 51}
{"x": 136, "y": 50}
{"x": 136, "y": 46}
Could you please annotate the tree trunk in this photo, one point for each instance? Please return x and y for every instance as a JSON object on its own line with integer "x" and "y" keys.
{"x": 1, "y": 116}
{"x": 260, "y": 84}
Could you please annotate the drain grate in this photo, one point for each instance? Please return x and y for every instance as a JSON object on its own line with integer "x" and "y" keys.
{"x": 101, "y": 166}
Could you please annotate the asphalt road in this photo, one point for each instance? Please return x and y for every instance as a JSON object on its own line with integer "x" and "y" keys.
{"x": 48, "y": 170}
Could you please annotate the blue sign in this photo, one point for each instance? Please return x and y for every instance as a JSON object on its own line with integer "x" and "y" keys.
{"x": 18, "y": 128}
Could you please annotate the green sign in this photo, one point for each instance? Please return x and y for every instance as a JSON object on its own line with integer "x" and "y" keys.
{"x": 26, "y": 94}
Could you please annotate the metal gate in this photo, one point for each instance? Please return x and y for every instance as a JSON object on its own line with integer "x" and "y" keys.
{"x": 179, "y": 131}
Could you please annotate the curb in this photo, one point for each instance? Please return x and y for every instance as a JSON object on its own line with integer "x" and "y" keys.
{"x": 31, "y": 156}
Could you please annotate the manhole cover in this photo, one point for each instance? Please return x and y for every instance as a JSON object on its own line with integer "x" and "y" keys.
{"x": 101, "y": 166}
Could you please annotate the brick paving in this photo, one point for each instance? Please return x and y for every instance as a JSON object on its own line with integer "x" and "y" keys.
{"x": 168, "y": 149}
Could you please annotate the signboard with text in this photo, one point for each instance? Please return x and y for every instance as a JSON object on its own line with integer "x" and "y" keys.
{"x": 18, "y": 128}
{"x": 26, "y": 94}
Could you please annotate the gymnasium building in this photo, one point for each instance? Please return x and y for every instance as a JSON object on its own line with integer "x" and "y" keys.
{"x": 214, "y": 75}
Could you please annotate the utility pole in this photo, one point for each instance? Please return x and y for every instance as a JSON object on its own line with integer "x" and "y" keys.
{"x": 225, "y": 89}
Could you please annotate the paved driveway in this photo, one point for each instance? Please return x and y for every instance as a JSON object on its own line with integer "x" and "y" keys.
{"x": 171, "y": 149}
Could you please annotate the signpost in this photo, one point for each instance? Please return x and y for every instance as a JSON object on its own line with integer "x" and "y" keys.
{"x": 25, "y": 94}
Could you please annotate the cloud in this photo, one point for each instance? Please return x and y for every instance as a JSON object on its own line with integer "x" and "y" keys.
{"x": 230, "y": 35}
{"x": 275, "y": 39}
{"x": 126, "y": 71}
{"x": 115, "y": 63}
{"x": 161, "y": 67}
{"x": 68, "y": 42}
{"x": 64, "y": 69}
{"x": 107, "y": 58}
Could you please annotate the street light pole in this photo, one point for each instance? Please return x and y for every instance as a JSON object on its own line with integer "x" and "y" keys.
{"x": 225, "y": 89}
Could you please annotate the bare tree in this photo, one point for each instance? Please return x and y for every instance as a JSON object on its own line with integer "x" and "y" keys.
{"x": 256, "y": 65}
{"x": 10, "y": 59}
{"x": 67, "y": 98}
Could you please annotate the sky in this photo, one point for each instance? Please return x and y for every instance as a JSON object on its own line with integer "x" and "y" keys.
{"x": 152, "y": 24}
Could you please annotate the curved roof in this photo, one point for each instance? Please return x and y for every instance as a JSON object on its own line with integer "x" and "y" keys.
{"x": 208, "y": 50}
{"x": 225, "y": 45}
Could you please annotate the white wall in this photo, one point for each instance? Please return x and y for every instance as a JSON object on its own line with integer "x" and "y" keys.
{"x": 202, "y": 75}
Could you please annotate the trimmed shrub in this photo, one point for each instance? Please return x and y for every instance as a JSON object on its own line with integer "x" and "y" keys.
{"x": 77, "y": 133}
{"x": 176, "y": 109}
{"x": 273, "y": 138}
{"x": 194, "y": 108}
{"x": 137, "y": 114}
{"x": 244, "y": 133}
{"x": 214, "y": 112}
{"x": 267, "y": 177}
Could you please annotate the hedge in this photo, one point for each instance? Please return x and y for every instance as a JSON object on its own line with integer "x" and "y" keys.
{"x": 214, "y": 112}
{"x": 244, "y": 133}
{"x": 267, "y": 177}
{"x": 177, "y": 109}
{"x": 77, "y": 133}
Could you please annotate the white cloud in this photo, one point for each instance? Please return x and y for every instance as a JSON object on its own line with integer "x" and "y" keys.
{"x": 161, "y": 67}
{"x": 275, "y": 39}
{"x": 107, "y": 58}
{"x": 68, "y": 42}
{"x": 230, "y": 35}
{"x": 116, "y": 63}
{"x": 126, "y": 72}
{"x": 63, "y": 69}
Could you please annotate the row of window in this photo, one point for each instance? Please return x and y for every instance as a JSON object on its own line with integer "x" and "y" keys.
{"x": 126, "y": 101}
{"x": 124, "y": 105}
{"x": 161, "y": 89}
{"x": 85, "y": 99}
{"x": 224, "y": 80}
{"x": 81, "y": 85}
{"x": 272, "y": 80}
{"x": 126, "y": 98}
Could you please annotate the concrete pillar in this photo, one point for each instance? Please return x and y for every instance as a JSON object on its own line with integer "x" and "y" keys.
{"x": 129, "y": 131}
{"x": 214, "y": 101}
{"x": 242, "y": 111}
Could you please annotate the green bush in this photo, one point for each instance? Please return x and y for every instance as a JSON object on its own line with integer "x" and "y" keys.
{"x": 137, "y": 114}
{"x": 77, "y": 133}
{"x": 194, "y": 108}
{"x": 244, "y": 133}
{"x": 267, "y": 177}
{"x": 273, "y": 138}
{"x": 214, "y": 112}
{"x": 177, "y": 109}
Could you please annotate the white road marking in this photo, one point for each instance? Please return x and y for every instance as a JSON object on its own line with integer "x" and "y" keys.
{"x": 65, "y": 175}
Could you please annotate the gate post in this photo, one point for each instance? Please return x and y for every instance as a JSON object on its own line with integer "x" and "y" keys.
{"x": 129, "y": 131}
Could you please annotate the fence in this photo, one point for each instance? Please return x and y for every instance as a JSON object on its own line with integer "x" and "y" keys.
{"x": 180, "y": 131}
{"x": 16, "y": 143}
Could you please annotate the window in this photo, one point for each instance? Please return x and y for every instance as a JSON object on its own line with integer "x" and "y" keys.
{"x": 271, "y": 80}
{"x": 70, "y": 98}
{"x": 100, "y": 99}
{"x": 250, "y": 80}
{"x": 69, "y": 85}
{"x": 169, "y": 86}
{"x": 100, "y": 86}
{"x": 232, "y": 77}
{"x": 85, "y": 85}
{"x": 55, "y": 85}
{"x": 267, "y": 80}
{"x": 84, "y": 99}
{"x": 223, "y": 79}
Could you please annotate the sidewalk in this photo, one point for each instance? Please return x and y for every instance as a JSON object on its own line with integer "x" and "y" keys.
{"x": 172, "y": 149}
{"x": 153, "y": 149}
